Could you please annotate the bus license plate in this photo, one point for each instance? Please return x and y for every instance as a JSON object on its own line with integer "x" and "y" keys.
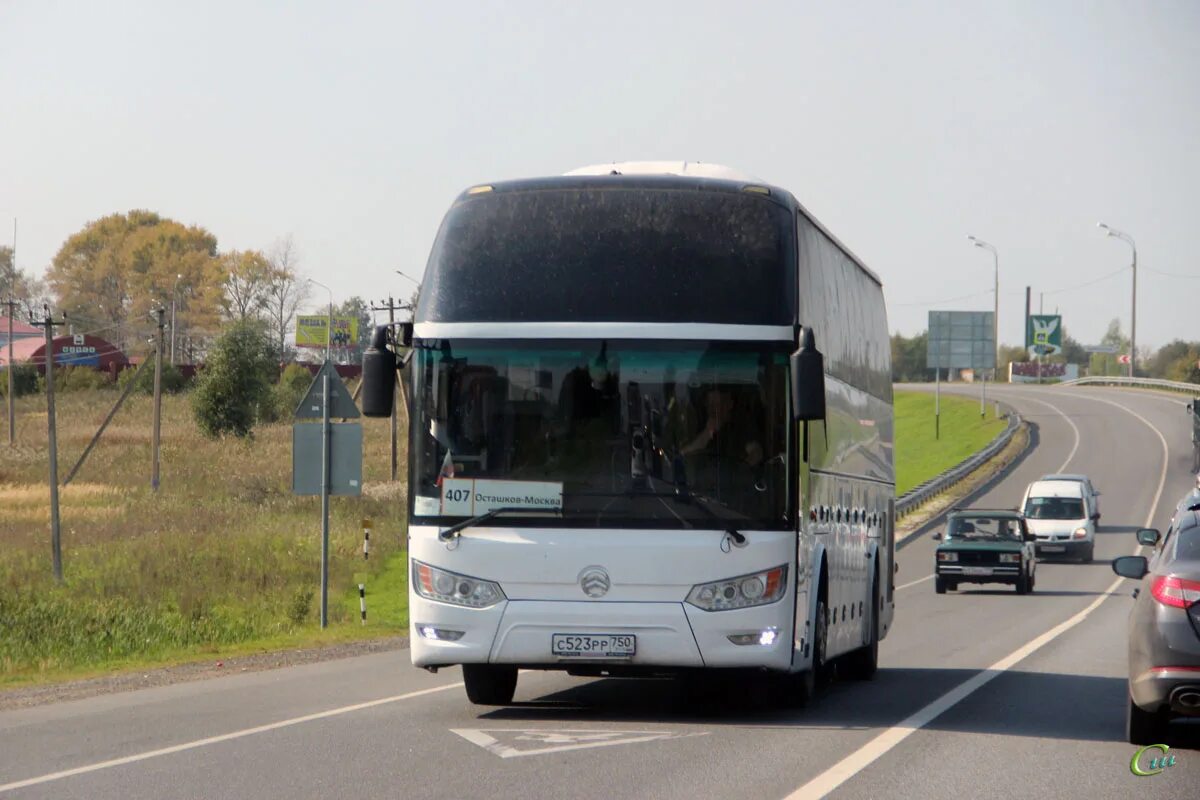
{"x": 594, "y": 645}
{"x": 977, "y": 570}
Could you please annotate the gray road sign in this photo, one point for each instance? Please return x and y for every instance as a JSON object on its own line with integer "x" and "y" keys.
{"x": 341, "y": 404}
{"x": 345, "y": 458}
{"x": 961, "y": 340}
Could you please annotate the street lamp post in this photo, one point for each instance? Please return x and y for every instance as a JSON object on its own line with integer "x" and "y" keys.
{"x": 1125, "y": 237}
{"x": 328, "y": 322}
{"x": 996, "y": 313}
{"x": 174, "y": 286}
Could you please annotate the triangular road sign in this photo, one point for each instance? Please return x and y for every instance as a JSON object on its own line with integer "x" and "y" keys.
{"x": 516, "y": 742}
{"x": 341, "y": 405}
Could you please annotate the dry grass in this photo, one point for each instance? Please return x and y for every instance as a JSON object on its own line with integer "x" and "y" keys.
{"x": 222, "y": 554}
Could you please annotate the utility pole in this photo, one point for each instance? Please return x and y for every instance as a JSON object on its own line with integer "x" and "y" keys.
{"x": 12, "y": 309}
{"x": 326, "y": 432}
{"x": 48, "y": 324}
{"x": 154, "y": 446}
{"x": 392, "y": 308}
{"x": 12, "y": 412}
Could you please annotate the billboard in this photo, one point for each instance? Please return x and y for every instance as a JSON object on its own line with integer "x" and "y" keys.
{"x": 310, "y": 331}
{"x": 1044, "y": 334}
{"x": 961, "y": 340}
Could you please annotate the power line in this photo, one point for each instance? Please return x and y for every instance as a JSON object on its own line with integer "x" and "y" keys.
{"x": 1172, "y": 274}
{"x": 1084, "y": 285}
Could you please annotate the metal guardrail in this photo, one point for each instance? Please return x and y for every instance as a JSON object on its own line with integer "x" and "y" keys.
{"x": 918, "y": 495}
{"x": 1138, "y": 383}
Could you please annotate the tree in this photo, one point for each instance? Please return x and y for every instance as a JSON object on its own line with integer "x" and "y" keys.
{"x": 25, "y": 289}
{"x": 248, "y": 276}
{"x": 909, "y": 358}
{"x": 235, "y": 389}
{"x": 359, "y": 309}
{"x": 1106, "y": 363}
{"x": 117, "y": 269}
{"x": 1010, "y": 354}
{"x": 285, "y": 294}
{"x": 1072, "y": 351}
{"x": 1161, "y": 361}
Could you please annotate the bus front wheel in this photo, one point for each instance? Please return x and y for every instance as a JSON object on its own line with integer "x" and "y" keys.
{"x": 490, "y": 684}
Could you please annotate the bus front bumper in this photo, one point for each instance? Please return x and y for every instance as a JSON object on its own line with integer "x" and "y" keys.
{"x": 669, "y": 635}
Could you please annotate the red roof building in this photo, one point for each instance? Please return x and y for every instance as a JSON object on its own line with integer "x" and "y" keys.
{"x": 79, "y": 350}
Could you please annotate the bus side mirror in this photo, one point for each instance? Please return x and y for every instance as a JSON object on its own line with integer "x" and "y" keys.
{"x": 808, "y": 380}
{"x": 379, "y": 375}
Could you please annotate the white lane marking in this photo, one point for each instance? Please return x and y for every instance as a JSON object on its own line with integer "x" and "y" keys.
{"x": 860, "y": 759}
{"x": 914, "y": 583}
{"x": 557, "y": 740}
{"x": 225, "y": 737}
{"x": 1162, "y": 476}
{"x": 1057, "y": 410}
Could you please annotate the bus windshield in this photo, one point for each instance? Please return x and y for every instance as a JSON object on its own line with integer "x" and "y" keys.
{"x": 638, "y": 434}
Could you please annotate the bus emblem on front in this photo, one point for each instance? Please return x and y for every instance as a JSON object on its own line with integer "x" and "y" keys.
{"x": 594, "y": 581}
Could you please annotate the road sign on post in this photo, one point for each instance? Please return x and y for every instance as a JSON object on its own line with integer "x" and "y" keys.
{"x": 1045, "y": 334}
{"x": 960, "y": 340}
{"x": 326, "y": 458}
{"x": 1123, "y": 358}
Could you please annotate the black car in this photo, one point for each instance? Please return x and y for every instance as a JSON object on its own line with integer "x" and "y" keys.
{"x": 984, "y": 546}
{"x": 1164, "y": 628}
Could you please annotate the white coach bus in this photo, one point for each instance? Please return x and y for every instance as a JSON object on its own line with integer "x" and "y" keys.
{"x": 651, "y": 432}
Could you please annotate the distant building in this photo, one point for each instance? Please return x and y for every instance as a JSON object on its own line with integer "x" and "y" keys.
{"x": 21, "y": 330}
{"x": 71, "y": 350}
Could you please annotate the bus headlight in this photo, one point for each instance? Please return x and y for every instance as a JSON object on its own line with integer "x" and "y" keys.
{"x": 755, "y": 589}
{"x": 450, "y": 587}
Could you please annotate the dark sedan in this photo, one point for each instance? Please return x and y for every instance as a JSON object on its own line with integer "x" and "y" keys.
{"x": 1164, "y": 629}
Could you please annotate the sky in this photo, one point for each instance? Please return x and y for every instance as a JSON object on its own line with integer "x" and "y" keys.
{"x": 902, "y": 127}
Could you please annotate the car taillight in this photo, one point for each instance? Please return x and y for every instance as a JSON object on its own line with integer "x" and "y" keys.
{"x": 1176, "y": 592}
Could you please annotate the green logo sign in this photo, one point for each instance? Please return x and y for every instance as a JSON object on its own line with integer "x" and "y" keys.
{"x": 1151, "y": 760}
{"x": 1044, "y": 335}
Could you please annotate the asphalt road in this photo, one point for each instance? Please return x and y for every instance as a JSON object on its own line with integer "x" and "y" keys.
{"x": 981, "y": 693}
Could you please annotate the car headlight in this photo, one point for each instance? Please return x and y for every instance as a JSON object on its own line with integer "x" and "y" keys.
{"x": 1010, "y": 558}
{"x": 947, "y": 556}
{"x": 756, "y": 589}
{"x": 450, "y": 587}
{"x": 1080, "y": 533}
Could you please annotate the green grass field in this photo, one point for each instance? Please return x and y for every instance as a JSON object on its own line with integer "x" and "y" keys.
{"x": 224, "y": 559}
{"x": 919, "y": 456}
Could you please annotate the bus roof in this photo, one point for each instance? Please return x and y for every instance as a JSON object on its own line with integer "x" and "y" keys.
{"x": 691, "y": 170}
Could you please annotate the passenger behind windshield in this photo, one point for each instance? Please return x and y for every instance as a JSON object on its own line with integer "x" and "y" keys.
{"x": 606, "y": 419}
{"x": 983, "y": 528}
{"x": 1054, "y": 508}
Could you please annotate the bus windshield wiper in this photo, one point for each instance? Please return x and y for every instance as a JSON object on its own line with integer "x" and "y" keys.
{"x": 737, "y": 536}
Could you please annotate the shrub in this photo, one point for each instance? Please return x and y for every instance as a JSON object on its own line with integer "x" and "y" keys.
{"x": 80, "y": 379}
{"x": 173, "y": 380}
{"x": 293, "y": 383}
{"x": 25, "y": 380}
{"x": 234, "y": 392}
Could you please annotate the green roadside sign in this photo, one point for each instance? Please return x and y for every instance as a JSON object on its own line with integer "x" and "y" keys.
{"x": 1044, "y": 334}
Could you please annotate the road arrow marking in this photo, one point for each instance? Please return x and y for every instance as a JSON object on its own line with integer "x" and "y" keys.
{"x": 515, "y": 742}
